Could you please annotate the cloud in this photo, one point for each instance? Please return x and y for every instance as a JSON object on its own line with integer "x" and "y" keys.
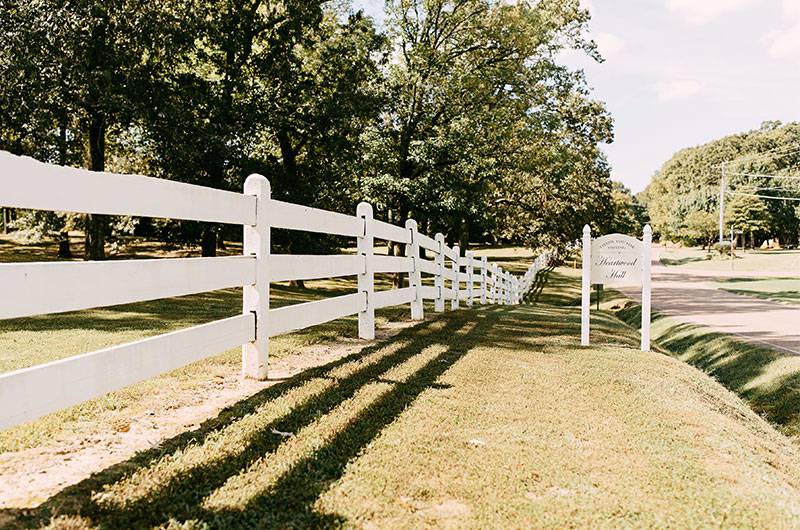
{"x": 609, "y": 44}
{"x": 705, "y": 11}
{"x": 786, "y": 42}
{"x": 678, "y": 89}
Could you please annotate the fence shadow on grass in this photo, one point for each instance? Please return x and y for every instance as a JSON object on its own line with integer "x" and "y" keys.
{"x": 290, "y": 501}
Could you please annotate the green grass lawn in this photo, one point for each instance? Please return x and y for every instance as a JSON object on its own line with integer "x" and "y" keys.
{"x": 30, "y": 341}
{"x": 779, "y": 261}
{"x": 769, "y": 380}
{"x": 486, "y": 418}
{"x": 785, "y": 290}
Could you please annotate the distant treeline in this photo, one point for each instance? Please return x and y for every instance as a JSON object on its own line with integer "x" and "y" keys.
{"x": 683, "y": 198}
{"x": 453, "y": 112}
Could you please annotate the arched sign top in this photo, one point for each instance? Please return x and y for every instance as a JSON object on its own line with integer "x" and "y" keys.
{"x": 617, "y": 241}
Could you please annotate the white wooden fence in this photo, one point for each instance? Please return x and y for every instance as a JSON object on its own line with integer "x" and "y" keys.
{"x": 28, "y": 289}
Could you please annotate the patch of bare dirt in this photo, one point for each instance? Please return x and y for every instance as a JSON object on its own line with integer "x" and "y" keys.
{"x": 31, "y": 476}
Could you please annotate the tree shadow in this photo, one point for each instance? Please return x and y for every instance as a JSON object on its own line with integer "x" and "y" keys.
{"x": 740, "y": 366}
{"x": 290, "y": 501}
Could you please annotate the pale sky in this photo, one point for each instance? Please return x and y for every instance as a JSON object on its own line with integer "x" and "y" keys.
{"x": 680, "y": 73}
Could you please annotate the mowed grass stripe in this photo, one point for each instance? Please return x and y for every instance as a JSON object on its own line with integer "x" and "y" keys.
{"x": 491, "y": 417}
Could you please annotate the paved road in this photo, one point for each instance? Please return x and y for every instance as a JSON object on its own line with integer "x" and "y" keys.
{"x": 690, "y": 296}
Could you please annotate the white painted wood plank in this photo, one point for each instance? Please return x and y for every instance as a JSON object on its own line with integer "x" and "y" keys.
{"x": 299, "y": 316}
{"x": 448, "y": 293}
{"x": 428, "y": 267}
{"x": 41, "y": 288}
{"x": 385, "y": 264}
{"x": 586, "y": 285}
{"x": 450, "y": 275}
{"x": 394, "y": 297}
{"x": 390, "y": 232}
{"x": 463, "y": 294}
{"x": 415, "y": 277}
{"x": 28, "y": 183}
{"x": 450, "y": 253}
{"x": 463, "y": 277}
{"x": 257, "y": 242}
{"x": 33, "y": 392}
{"x": 297, "y": 217}
{"x": 284, "y": 267}
{"x": 366, "y": 280}
{"x": 429, "y": 292}
{"x": 463, "y": 261}
{"x": 428, "y": 243}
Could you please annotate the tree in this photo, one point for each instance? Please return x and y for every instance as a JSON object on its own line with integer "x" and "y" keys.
{"x": 82, "y": 68}
{"x": 477, "y": 98}
{"x": 690, "y": 180}
{"x": 700, "y": 227}
{"x": 747, "y": 213}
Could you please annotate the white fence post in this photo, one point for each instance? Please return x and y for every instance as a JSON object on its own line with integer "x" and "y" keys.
{"x": 439, "y": 280}
{"x": 502, "y": 294}
{"x": 456, "y": 284}
{"x": 499, "y": 284}
{"x": 255, "y": 297}
{"x": 514, "y": 290}
{"x": 415, "y": 277}
{"x": 646, "y": 257}
{"x": 470, "y": 277}
{"x": 586, "y": 284}
{"x": 484, "y": 276}
{"x": 366, "y": 280}
{"x": 495, "y": 283}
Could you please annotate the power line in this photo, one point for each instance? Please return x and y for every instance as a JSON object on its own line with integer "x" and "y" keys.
{"x": 762, "y": 176}
{"x": 775, "y": 188}
{"x": 764, "y": 196}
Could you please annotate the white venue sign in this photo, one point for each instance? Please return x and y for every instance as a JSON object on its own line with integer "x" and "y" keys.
{"x": 616, "y": 260}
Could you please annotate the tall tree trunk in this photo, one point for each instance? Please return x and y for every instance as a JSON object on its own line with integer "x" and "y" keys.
{"x": 399, "y": 278}
{"x": 208, "y": 241}
{"x": 463, "y": 235}
{"x": 63, "y": 242}
{"x": 64, "y": 251}
{"x": 96, "y": 225}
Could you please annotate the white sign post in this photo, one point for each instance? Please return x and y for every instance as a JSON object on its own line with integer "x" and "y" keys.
{"x": 616, "y": 260}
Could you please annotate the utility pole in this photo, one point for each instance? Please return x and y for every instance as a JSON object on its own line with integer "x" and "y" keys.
{"x": 722, "y": 204}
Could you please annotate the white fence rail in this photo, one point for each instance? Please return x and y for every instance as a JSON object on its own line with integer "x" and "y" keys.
{"x": 41, "y": 288}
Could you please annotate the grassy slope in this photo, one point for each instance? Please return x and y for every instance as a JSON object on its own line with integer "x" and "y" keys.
{"x": 749, "y": 261}
{"x": 31, "y": 341}
{"x": 785, "y": 290}
{"x": 767, "y": 379}
{"x": 480, "y": 418}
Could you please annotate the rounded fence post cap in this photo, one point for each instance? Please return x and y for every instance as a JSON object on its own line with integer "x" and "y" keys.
{"x": 648, "y": 229}
{"x": 410, "y": 223}
{"x": 364, "y": 208}
{"x": 587, "y": 229}
{"x": 254, "y": 183}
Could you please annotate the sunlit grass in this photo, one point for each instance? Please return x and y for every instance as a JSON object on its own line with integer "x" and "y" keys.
{"x": 785, "y": 290}
{"x": 36, "y": 340}
{"x": 777, "y": 261}
{"x": 484, "y": 418}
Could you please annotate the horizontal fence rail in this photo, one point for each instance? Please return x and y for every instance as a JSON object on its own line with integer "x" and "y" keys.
{"x": 40, "y": 186}
{"x": 40, "y": 288}
{"x": 31, "y": 289}
{"x": 33, "y": 392}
